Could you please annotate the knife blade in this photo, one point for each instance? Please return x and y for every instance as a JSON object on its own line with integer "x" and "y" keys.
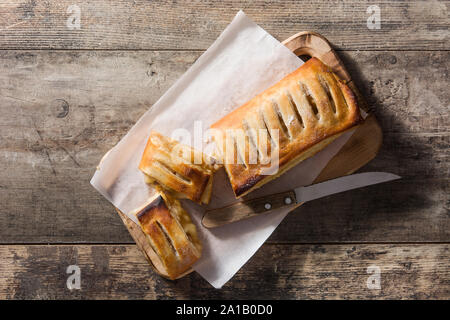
{"x": 247, "y": 208}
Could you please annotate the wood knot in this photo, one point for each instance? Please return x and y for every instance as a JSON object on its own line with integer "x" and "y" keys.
{"x": 392, "y": 59}
{"x": 60, "y": 108}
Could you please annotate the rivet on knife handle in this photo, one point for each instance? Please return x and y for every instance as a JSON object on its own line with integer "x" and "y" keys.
{"x": 247, "y": 208}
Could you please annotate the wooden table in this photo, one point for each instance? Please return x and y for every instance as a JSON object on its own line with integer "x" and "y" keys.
{"x": 67, "y": 95}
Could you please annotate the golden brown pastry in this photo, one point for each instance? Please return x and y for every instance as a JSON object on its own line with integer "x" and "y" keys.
{"x": 308, "y": 109}
{"x": 177, "y": 168}
{"x": 171, "y": 235}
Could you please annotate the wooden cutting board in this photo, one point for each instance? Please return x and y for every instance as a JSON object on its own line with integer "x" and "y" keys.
{"x": 361, "y": 148}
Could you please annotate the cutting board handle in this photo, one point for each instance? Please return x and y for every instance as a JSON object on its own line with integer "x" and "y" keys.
{"x": 312, "y": 44}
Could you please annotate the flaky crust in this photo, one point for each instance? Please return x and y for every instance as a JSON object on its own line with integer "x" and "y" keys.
{"x": 309, "y": 108}
{"x": 173, "y": 167}
{"x": 171, "y": 235}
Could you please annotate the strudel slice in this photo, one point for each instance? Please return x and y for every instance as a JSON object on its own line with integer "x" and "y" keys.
{"x": 178, "y": 168}
{"x": 171, "y": 235}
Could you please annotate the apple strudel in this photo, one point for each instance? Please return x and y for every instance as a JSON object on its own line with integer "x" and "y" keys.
{"x": 284, "y": 125}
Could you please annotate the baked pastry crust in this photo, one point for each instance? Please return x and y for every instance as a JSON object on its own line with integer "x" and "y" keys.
{"x": 171, "y": 234}
{"x": 177, "y": 168}
{"x": 309, "y": 108}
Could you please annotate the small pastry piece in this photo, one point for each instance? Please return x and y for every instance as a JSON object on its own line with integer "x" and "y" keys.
{"x": 171, "y": 235}
{"x": 306, "y": 110}
{"x": 178, "y": 168}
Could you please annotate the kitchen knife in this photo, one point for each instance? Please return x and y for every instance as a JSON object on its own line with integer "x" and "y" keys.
{"x": 293, "y": 198}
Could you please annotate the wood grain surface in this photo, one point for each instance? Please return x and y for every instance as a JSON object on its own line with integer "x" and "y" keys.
{"x": 407, "y": 271}
{"x": 61, "y": 111}
{"x": 68, "y": 96}
{"x": 406, "y": 24}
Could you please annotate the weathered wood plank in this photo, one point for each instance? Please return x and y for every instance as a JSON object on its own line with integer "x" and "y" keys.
{"x": 412, "y": 25}
{"x": 275, "y": 272}
{"x": 61, "y": 111}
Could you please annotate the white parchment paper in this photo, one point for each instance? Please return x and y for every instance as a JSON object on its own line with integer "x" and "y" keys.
{"x": 242, "y": 62}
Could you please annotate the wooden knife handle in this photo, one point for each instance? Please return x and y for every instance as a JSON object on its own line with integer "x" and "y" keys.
{"x": 247, "y": 208}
